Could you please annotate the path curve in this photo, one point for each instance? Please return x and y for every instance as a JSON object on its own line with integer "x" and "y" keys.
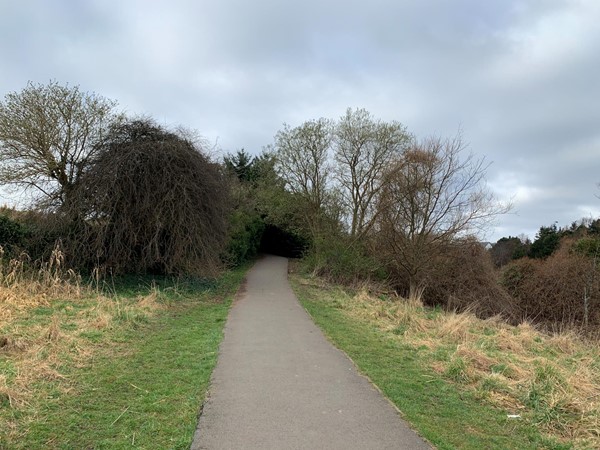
{"x": 279, "y": 384}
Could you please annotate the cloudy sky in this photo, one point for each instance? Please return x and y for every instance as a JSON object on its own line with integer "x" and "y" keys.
{"x": 521, "y": 78}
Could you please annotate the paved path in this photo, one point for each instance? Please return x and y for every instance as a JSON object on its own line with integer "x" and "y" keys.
{"x": 279, "y": 384}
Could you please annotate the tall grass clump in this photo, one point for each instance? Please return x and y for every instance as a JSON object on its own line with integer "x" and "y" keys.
{"x": 25, "y": 284}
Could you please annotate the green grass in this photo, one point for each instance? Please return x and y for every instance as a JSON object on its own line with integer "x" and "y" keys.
{"x": 433, "y": 403}
{"x": 142, "y": 379}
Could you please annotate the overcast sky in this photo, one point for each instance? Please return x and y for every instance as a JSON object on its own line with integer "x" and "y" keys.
{"x": 520, "y": 78}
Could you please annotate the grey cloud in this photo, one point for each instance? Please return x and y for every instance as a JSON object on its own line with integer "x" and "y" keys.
{"x": 519, "y": 77}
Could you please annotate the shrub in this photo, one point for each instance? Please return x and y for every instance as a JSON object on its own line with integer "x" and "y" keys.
{"x": 463, "y": 278}
{"x": 12, "y": 233}
{"x": 34, "y": 233}
{"x": 588, "y": 246}
{"x": 245, "y": 237}
{"x": 561, "y": 290}
{"x": 517, "y": 273}
{"x": 150, "y": 202}
{"x": 341, "y": 261}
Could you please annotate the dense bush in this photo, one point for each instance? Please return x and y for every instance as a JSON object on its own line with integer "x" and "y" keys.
{"x": 464, "y": 278}
{"x": 461, "y": 276}
{"x": 33, "y": 233}
{"x": 517, "y": 273}
{"x": 246, "y": 231}
{"x": 151, "y": 201}
{"x": 561, "y": 290}
{"x": 12, "y": 233}
{"x": 340, "y": 260}
{"x": 588, "y": 246}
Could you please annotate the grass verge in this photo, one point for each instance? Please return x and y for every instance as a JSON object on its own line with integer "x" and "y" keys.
{"x": 129, "y": 370}
{"x": 465, "y": 383}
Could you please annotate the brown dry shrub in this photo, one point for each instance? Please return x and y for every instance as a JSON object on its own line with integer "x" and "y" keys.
{"x": 517, "y": 272}
{"x": 460, "y": 276}
{"x": 551, "y": 291}
{"x": 463, "y": 278}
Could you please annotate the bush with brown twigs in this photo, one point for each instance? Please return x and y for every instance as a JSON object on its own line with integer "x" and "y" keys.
{"x": 562, "y": 290}
{"x": 151, "y": 201}
{"x": 461, "y": 277}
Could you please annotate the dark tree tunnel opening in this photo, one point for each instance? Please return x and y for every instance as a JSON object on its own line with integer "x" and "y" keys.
{"x": 277, "y": 241}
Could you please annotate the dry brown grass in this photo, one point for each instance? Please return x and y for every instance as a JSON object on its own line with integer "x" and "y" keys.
{"x": 551, "y": 379}
{"x": 25, "y": 284}
{"x": 34, "y": 347}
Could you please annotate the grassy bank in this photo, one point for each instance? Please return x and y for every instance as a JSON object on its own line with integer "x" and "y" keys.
{"x": 465, "y": 383}
{"x": 81, "y": 369}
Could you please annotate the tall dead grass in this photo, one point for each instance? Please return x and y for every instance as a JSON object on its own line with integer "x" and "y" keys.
{"x": 553, "y": 380}
{"x": 36, "y": 345}
{"x": 26, "y": 284}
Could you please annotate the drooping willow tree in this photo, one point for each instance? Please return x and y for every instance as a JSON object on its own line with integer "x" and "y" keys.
{"x": 150, "y": 201}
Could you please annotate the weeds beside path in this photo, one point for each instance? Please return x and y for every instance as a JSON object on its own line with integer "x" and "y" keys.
{"x": 462, "y": 382}
{"x": 125, "y": 371}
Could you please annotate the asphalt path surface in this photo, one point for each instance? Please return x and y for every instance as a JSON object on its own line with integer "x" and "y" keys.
{"x": 279, "y": 384}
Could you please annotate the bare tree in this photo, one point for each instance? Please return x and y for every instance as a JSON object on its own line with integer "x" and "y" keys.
{"x": 364, "y": 148}
{"x": 302, "y": 155}
{"x": 431, "y": 196}
{"x": 48, "y": 133}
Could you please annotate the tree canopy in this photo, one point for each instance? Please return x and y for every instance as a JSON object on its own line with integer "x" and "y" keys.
{"x": 48, "y": 136}
{"x": 364, "y": 147}
{"x": 546, "y": 242}
{"x": 434, "y": 195}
